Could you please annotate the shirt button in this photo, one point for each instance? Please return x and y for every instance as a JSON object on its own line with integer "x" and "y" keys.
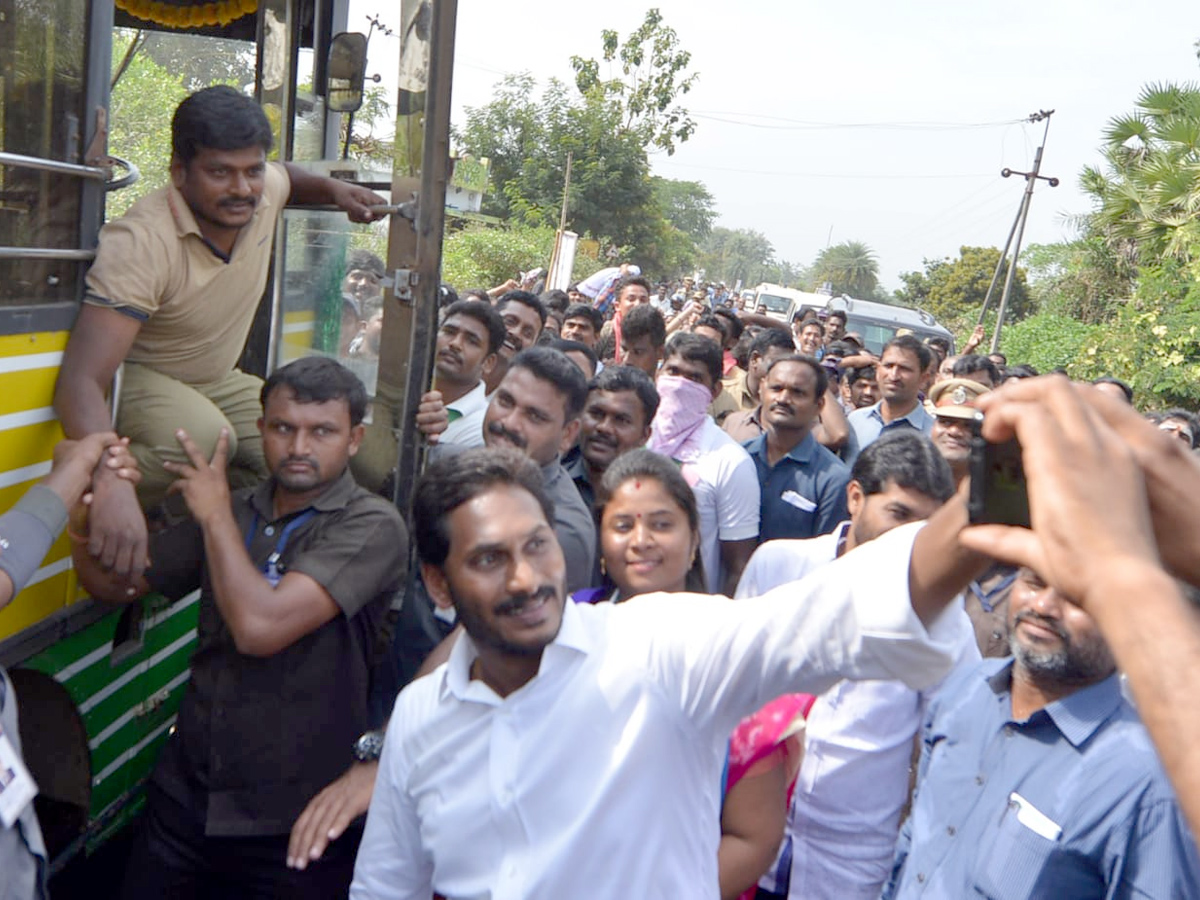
{"x": 979, "y": 779}
{"x": 269, "y": 530}
{"x": 950, "y": 831}
{"x": 921, "y": 877}
{"x": 1008, "y": 732}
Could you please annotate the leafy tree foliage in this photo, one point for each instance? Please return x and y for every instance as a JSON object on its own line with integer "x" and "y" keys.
{"x": 730, "y": 254}
{"x": 686, "y": 204}
{"x": 953, "y": 290}
{"x": 653, "y": 75}
{"x": 851, "y": 267}
{"x": 1081, "y": 279}
{"x": 1048, "y": 341}
{"x": 482, "y": 257}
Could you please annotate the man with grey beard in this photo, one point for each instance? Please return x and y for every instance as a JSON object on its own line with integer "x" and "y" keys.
{"x": 1037, "y": 778}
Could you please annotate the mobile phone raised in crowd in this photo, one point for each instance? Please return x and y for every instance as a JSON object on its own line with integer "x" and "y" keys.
{"x": 998, "y": 490}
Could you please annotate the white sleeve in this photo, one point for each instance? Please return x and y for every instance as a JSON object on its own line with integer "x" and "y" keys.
{"x": 392, "y": 864}
{"x": 739, "y": 497}
{"x": 853, "y": 618}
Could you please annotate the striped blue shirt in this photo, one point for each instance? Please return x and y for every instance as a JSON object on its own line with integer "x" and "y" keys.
{"x": 1070, "y": 803}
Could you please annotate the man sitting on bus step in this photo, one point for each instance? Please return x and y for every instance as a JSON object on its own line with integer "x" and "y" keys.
{"x": 172, "y": 295}
{"x": 295, "y": 577}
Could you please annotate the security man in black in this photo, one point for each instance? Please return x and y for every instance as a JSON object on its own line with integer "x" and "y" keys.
{"x": 258, "y": 792}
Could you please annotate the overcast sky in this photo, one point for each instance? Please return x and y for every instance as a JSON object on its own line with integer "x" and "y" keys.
{"x": 830, "y": 121}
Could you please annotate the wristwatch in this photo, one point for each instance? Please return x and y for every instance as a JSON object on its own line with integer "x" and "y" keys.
{"x": 368, "y": 747}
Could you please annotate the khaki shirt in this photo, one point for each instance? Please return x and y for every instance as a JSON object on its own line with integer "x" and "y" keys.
{"x": 196, "y": 307}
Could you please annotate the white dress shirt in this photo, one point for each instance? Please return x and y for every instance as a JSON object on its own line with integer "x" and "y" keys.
{"x": 467, "y": 430}
{"x": 601, "y": 777}
{"x": 853, "y": 780}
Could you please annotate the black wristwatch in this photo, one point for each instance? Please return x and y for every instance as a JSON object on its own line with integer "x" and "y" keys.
{"x": 368, "y": 747}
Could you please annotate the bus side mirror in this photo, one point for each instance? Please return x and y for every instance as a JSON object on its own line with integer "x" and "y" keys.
{"x": 346, "y": 72}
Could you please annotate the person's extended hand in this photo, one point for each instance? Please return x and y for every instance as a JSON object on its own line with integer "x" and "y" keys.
{"x": 202, "y": 482}
{"x": 1087, "y": 495}
{"x": 974, "y": 340}
{"x": 115, "y": 525}
{"x": 432, "y": 417}
{"x": 357, "y": 201}
{"x": 330, "y": 813}
{"x": 74, "y": 462}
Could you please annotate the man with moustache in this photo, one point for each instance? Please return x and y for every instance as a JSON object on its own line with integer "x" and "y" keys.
{"x": 863, "y": 386}
{"x": 1037, "y": 778}
{"x": 171, "y": 296}
{"x": 621, "y": 404}
{"x": 535, "y": 409}
{"x": 524, "y": 318}
{"x": 803, "y": 484}
{"x": 258, "y": 787}
{"x": 900, "y": 370}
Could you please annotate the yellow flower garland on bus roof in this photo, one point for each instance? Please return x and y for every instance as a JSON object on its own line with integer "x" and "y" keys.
{"x": 188, "y": 15}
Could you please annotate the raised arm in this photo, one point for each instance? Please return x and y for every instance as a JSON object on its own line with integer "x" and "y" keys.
{"x": 317, "y": 189}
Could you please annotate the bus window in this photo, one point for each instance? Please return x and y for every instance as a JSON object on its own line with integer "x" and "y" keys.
{"x": 41, "y": 115}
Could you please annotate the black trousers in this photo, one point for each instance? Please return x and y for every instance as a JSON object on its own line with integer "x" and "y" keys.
{"x": 172, "y": 858}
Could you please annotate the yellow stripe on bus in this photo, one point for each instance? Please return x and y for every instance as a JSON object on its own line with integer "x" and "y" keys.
{"x": 26, "y": 446}
{"x": 37, "y": 342}
{"x": 30, "y": 389}
{"x": 36, "y": 602}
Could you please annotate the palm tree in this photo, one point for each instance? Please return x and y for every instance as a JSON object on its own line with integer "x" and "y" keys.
{"x": 850, "y": 266}
{"x": 1147, "y": 192}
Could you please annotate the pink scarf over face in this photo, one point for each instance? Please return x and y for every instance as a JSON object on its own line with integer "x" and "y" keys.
{"x": 682, "y": 409}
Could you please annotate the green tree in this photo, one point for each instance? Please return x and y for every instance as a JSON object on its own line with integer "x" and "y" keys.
{"x": 732, "y": 254}
{"x": 1146, "y": 194}
{"x": 1079, "y": 279}
{"x": 685, "y": 204}
{"x": 1048, "y": 341}
{"x": 482, "y": 257}
{"x": 954, "y": 290}
{"x": 851, "y": 267}
{"x": 653, "y": 75}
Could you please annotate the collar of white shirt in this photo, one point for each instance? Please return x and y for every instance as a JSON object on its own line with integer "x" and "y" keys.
{"x": 573, "y": 640}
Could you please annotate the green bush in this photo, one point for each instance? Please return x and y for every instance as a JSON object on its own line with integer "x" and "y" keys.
{"x": 1047, "y": 341}
{"x": 480, "y": 256}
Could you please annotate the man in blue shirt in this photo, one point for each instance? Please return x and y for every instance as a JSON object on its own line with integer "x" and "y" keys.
{"x": 1037, "y": 778}
{"x": 803, "y": 484}
{"x": 899, "y": 372}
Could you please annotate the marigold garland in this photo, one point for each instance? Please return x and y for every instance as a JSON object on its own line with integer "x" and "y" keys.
{"x": 188, "y": 15}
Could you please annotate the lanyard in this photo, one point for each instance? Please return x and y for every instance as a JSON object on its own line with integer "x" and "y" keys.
{"x": 985, "y": 597}
{"x": 271, "y": 569}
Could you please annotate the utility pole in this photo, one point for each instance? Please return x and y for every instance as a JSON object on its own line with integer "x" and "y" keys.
{"x": 1018, "y": 229}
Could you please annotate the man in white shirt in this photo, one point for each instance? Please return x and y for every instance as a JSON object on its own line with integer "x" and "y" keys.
{"x": 567, "y": 750}
{"x": 721, "y": 473}
{"x": 853, "y": 781}
{"x": 468, "y": 340}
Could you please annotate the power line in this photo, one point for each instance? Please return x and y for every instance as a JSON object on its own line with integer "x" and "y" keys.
{"x": 802, "y": 125}
{"x": 896, "y": 175}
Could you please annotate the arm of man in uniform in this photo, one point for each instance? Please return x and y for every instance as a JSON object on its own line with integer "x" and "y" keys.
{"x": 262, "y": 619}
{"x": 99, "y": 343}
{"x": 29, "y": 529}
{"x": 317, "y": 189}
{"x": 1112, "y": 501}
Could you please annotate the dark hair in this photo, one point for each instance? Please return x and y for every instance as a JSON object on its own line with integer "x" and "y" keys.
{"x": 555, "y": 299}
{"x": 693, "y": 348}
{"x": 907, "y": 457}
{"x": 856, "y": 372}
{"x": 319, "y": 379}
{"x": 477, "y": 294}
{"x": 966, "y": 366}
{"x": 627, "y": 281}
{"x": 734, "y": 326}
{"x": 364, "y": 261}
{"x": 644, "y": 321}
{"x": 770, "y": 338}
{"x": 1020, "y": 371}
{"x": 840, "y": 348}
{"x": 1003, "y": 358}
{"x": 585, "y": 311}
{"x": 646, "y": 464}
{"x": 910, "y": 344}
{"x": 940, "y": 342}
{"x": 715, "y": 322}
{"x": 527, "y": 299}
{"x": 447, "y": 296}
{"x": 1125, "y": 389}
{"x": 553, "y": 366}
{"x": 218, "y": 118}
{"x": 837, "y": 314}
{"x": 628, "y": 378}
{"x": 803, "y": 316}
{"x": 486, "y": 315}
{"x": 810, "y": 323}
{"x": 562, "y": 345}
{"x": 810, "y": 361}
{"x": 454, "y": 480}
{"x": 1176, "y": 413}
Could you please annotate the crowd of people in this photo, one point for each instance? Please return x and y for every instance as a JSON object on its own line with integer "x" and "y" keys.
{"x": 697, "y": 608}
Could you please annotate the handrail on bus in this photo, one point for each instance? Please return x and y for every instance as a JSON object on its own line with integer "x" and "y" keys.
{"x": 46, "y": 253}
{"x": 21, "y": 161}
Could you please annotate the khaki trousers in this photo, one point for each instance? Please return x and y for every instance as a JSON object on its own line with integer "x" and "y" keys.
{"x": 153, "y": 406}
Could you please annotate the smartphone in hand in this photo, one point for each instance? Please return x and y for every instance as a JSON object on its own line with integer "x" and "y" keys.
{"x": 998, "y": 490}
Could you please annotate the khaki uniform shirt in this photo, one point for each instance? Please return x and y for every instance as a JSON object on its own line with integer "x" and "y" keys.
{"x": 196, "y": 306}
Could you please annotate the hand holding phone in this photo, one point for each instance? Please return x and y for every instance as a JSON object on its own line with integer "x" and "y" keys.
{"x": 998, "y": 491}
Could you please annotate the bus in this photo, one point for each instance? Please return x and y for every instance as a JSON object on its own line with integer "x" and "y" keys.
{"x": 98, "y": 688}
